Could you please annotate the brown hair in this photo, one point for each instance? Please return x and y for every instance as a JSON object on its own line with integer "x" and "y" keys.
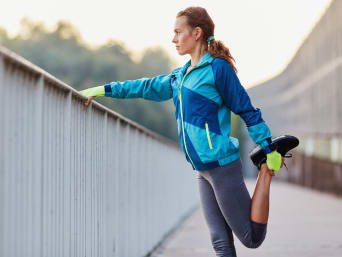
{"x": 199, "y": 17}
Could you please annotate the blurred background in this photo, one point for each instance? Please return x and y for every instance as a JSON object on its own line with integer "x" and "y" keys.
{"x": 78, "y": 181}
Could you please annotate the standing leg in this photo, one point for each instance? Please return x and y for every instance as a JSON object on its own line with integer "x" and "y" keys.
{"x": 220, "y": 233}
{"x": 235, "y": 202}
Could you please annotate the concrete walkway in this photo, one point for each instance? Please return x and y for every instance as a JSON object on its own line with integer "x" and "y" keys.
{"x": 302, "y": 223}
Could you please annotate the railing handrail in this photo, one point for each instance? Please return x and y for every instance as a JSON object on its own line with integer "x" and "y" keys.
{"x": 10, "y": 56}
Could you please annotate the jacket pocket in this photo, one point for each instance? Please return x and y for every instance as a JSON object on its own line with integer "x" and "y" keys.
{"x": 208, "y": 136}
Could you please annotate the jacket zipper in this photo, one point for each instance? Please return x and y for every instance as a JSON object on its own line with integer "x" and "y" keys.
{"x": 208, "y": 136}
{"x": 180, "y": 101}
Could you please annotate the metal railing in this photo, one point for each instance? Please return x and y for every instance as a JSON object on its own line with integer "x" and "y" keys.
{"x": 81, "y": 181}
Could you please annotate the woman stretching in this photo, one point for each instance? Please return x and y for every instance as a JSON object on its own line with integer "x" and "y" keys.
{"x": 205, "y": 91}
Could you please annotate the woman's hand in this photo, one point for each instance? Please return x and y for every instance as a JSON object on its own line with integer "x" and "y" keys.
{"x": 90, "y": 98}
{"x": 274, "y": 160}
{"x": 92, "y": 92}
{"x": 269, "y": 171}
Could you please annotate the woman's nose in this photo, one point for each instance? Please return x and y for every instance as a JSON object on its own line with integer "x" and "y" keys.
{"x": 174, "y": 40}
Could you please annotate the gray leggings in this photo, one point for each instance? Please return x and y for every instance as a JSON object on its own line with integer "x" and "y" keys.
{"x": 226, "y": 206}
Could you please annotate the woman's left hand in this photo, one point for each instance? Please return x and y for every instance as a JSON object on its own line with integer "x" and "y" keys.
{"x": 274, "y": 160}
{"x": 269, "y": 171}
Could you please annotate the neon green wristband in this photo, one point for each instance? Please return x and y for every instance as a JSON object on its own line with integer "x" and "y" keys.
{"x": 93, "y": 91}
{"x": 273, "y": 160}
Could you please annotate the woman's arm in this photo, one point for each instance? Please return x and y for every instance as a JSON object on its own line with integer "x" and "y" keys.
{"x": 236, "y": 99}
{"x": 155, "y": 89}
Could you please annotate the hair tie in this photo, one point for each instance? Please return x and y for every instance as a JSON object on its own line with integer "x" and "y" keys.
{"x": 210, "y": 38}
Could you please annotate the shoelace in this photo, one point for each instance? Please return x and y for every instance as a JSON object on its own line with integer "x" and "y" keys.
{"x": 287, "y": 156}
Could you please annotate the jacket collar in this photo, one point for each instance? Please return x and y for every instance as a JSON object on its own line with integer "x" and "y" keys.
{"x": 206, "y": 58}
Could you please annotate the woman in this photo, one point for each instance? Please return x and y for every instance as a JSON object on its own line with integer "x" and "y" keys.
{"x": 204, "y": 92}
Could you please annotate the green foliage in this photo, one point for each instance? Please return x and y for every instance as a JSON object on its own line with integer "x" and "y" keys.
{"x": 63, "y": 53}
{"x": 235, "y": 130}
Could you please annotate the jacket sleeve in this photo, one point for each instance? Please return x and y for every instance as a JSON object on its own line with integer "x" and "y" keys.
{"x": 237, "y": 100}
{"x": 156, "y": 89}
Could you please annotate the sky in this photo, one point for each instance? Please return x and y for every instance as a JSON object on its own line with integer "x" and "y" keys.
{"x": 262, "y": 35}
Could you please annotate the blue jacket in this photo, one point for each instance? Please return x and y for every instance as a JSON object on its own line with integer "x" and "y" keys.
{"x": 203, "y": 99}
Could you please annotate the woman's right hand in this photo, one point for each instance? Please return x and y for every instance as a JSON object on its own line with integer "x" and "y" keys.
{"x": 92, "y": 92}
{"x": 90, "y": 98}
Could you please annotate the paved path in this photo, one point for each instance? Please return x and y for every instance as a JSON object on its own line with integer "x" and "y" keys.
{"x": 302, "y": 223}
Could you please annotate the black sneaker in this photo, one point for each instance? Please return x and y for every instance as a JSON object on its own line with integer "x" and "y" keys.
{"x": 282, "y": 144}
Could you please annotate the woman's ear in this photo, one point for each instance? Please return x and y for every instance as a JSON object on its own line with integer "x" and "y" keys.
{"x": 197, "y": 33}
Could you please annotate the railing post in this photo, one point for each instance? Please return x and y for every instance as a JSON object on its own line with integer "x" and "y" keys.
{"x": 2, "y": 168}
{"x": 38, "y": 165}
{"x": 68, "y": 175}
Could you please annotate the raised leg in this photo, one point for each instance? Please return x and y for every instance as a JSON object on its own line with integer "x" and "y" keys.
{"x": 261, "y": 196}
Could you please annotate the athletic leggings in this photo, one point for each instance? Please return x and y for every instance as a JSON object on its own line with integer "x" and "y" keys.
{"x": 226, "y": 206}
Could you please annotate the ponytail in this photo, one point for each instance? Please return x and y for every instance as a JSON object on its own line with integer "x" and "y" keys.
{"x": 217, "y": 49}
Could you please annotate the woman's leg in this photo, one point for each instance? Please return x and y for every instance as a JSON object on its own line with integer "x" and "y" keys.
{"x": 261, "y": 196}
{"x": 220, "y": 233}
{"x": 235, "y": 202}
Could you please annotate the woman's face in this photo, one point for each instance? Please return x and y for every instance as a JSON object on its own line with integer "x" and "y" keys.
{"x": 183, "y": 39}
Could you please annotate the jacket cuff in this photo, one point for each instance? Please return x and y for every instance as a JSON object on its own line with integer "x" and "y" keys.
{"x": 260, "y": 133}
{"x": 263, "y": 144}
{"x": 108, "y": 89}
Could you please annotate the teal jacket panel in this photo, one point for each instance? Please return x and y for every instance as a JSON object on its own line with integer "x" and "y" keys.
{"x": 155, "y": 89}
